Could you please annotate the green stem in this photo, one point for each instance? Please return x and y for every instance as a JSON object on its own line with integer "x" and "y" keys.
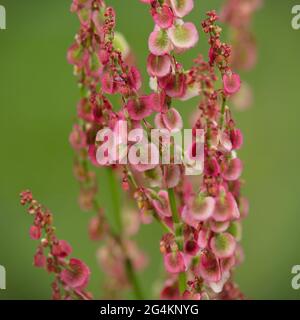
{"x": 178, "y": 235}
{"x": 223, "y": 113}
{"x": 132, "y": 277}
{"x": 114, "y": 191}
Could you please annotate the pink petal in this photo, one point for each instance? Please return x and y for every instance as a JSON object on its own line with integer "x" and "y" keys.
{"x": 174, "y": 262}
{"x": 162, "y": 206}
{"x": 108, "y": 83}
{"x": 163, "y": 17}
{"x": 139, "y": 109}
{"x": 157, "y": 101}
{"x": 202, "y": 208}
{"x": 159, "y": 43}
{"x": 209, "y": 267}
{"x": 227, "y": 264}
{"x": 232, "y": 170}
{"x": 158, "y": 66}
{"x": 191, "y": 247}
{"x": 175, "y": 85}
{"x": 35, "y": 232}
{"x": 77, "y": 275}
{"x": 184, "y": 36}
{"x": 218, "y": 227}
{"x": 232, "y": 83}
{"x": 223, "y": 245}
{"x": 172, "y": 176}
{"x": 172, "y": 120}
{"x": 203, "y": 237}
{"x": 236, "y": 138}
{"x": 226, "y": 208}
{"x": 182, "y": 7}
{"x": 135, "y": 78}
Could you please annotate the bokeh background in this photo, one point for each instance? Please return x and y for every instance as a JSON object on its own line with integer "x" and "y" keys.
{"x": 38, "y": 96}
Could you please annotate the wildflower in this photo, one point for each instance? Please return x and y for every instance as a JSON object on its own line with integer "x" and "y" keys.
{"x": 61, "y": 249}
{"x": 139, "y": 109}
{"x": 158, "y": 66}
{"x": 183, "y": 7}
{"x": 159, "y": 42}
{"x": 209, "y": 267}
{"x": 35, "y": 232}
{"x": 161, "y": 205}
{"x": 226, "y": 207}
{"x": 77, "y": 275}
{"x": 232, "y": 169}
{"x": 202, "y": 208}
{"x": 232, "y": 83}
{"x": 163, "y": 17}
{"x": 174, "y": 262}
{"x": 171, "y": 120}
{"x": 223, "y": 245}
{"x": 183, "y": 35}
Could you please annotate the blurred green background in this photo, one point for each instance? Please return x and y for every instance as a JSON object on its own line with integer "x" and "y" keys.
{"x": 38, "y": 96}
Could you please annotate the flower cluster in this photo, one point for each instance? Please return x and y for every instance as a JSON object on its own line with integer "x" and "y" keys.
{"x": 238, "y": 15}
{"x": 201, "y": 216}
{"x": 52, "y": 254}
{"x": 102, "y": 63}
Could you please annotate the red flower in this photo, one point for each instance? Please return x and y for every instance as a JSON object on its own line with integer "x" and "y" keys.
{"x": 77, "y": 274}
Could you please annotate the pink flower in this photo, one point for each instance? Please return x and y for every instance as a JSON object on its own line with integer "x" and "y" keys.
{"x": 227, "y": 264}
{"x": 203, "y": 237}
{"x": 202, "y": 208}
{"x": 162, "y": 205}
{"x": 223, "y": 245}
{"x": 39, "y": 260}
{"x": 139, "y": 109}
{"x": 77, "y": 56}
{"x": 184, "y": 35}
{"x": 77, "y": 275}
{"x": 158, "y": 66}
{"x": 174, "y": 262}
{"x": 135, "y": 78}
{"x": 218, "y": 227}
{"x": 209, "y": 267}
{"x": 108, "y": 83}
{"x": 163, "y": 17}
{"x": 62, "y": 249}
{"x": 157, "y": 101}
{"x": 159, "y": 43}
{"x": 226, "y": 208}
{"x": 172, "y": 176}
{"x": 232, "y": 83}
{"x": 175, "y": 85}
{"x": 232, "y": 169}
{"x": 212, "y": 167}
{"x": 35, "y": 232}
{"x": 170, "y": 120}
{"x": 182, "y": 7}
{"x": 191, "y": 247}
{"x": 236, "y": 138}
